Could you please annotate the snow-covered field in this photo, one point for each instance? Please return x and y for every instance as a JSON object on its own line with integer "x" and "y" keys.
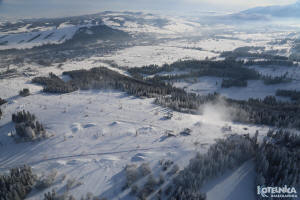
{"x": 139, "y": 56}
{"x": 96, "y": 133}
{"x": 255, "y": 88}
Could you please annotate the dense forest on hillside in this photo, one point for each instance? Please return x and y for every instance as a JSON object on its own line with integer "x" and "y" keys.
{"x": 278, "y": 160}
{"x": 234, "y": 73}
{"x": 225, "y": 154}
{"x": 261, "y": 55}
{"x": 197, "y": 68}
{"x": 293, "y": 94}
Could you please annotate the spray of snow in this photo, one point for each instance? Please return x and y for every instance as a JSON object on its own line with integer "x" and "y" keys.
{"x": 219, "y": 112}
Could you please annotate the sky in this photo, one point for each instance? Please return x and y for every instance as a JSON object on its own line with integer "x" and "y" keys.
{"x": 241, "y": 4}
{"x": 55, "y": 8}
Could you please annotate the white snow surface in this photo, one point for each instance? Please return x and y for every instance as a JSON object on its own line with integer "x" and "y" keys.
{"x": 24, "y": 38}
{"x": 95, "y": 134}
{"x": 255, "y": 88}
{"x": 139, "y": 56}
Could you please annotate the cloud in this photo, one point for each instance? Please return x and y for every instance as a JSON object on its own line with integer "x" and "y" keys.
{"x": 237, "y": 4}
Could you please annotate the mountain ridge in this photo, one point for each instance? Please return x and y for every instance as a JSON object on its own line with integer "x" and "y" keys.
{"x": 286, "y": 11}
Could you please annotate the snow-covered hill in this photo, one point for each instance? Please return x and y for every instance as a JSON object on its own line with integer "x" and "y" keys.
{"x": 26, "y": 38}
{"x": 36, "y": 32}
{"x": 287, "y": 11}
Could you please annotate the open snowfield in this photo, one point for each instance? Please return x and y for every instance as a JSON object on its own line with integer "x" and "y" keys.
{"x": 139, "y": 56}
{"x": 94, "y": 134}
{"x": 255, "y": 88}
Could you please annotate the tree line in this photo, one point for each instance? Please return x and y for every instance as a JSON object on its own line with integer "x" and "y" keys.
{"x": 293, "y": 94}
{"x": 54, "y": 84}
{"x": 233, "y": 72}
{"x": 225, "y": 154}
{"x": 278, "y": 160}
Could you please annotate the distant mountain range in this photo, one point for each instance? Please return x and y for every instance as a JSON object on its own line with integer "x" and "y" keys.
{"x": 258, "y": 13}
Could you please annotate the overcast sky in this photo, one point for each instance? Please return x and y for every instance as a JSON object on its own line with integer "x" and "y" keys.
{"x": 240, "y": 4}
{"x": 46, "y": 8}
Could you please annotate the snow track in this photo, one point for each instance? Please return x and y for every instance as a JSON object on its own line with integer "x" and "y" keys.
{"x": 63, "y": 157}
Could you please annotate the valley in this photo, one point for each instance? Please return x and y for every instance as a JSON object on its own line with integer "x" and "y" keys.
{"x": 145, "y": 106}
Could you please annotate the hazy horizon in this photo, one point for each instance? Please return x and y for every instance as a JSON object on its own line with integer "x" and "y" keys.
{"x": 56, "y": 8}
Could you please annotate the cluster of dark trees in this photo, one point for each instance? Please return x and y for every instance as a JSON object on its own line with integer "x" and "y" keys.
{"x": 17, "y": 184}
{"x": 23, "y": 116}
{"x": 54, "y": 84}
{"x": 225, "y": 68}
{"x": 54, "y": 196}
{"x": 293, "y": 94}
{"x": 287, "y": 63}
{"x": 103, "y": 78}
{"x": 295, "y": 50}
{"x": 225, "y": 154}
{"x": 186, "y": 102}
{"x": 150, "y": 69}
{"x": 269, "y": 111}
{"x": 278, "y": 160}
{"x": 265, "y": 58}
{"x": 233, "y": 72}
{"x": 269, "y": 80}
{"x": 7, "y": 72}
{"x": 25, "y": 92}
{"x": 227, "y": 83}
{"x": 2, "y": 101}
{"x": 244, "y": 52}
{"x": 27, "y": 127}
